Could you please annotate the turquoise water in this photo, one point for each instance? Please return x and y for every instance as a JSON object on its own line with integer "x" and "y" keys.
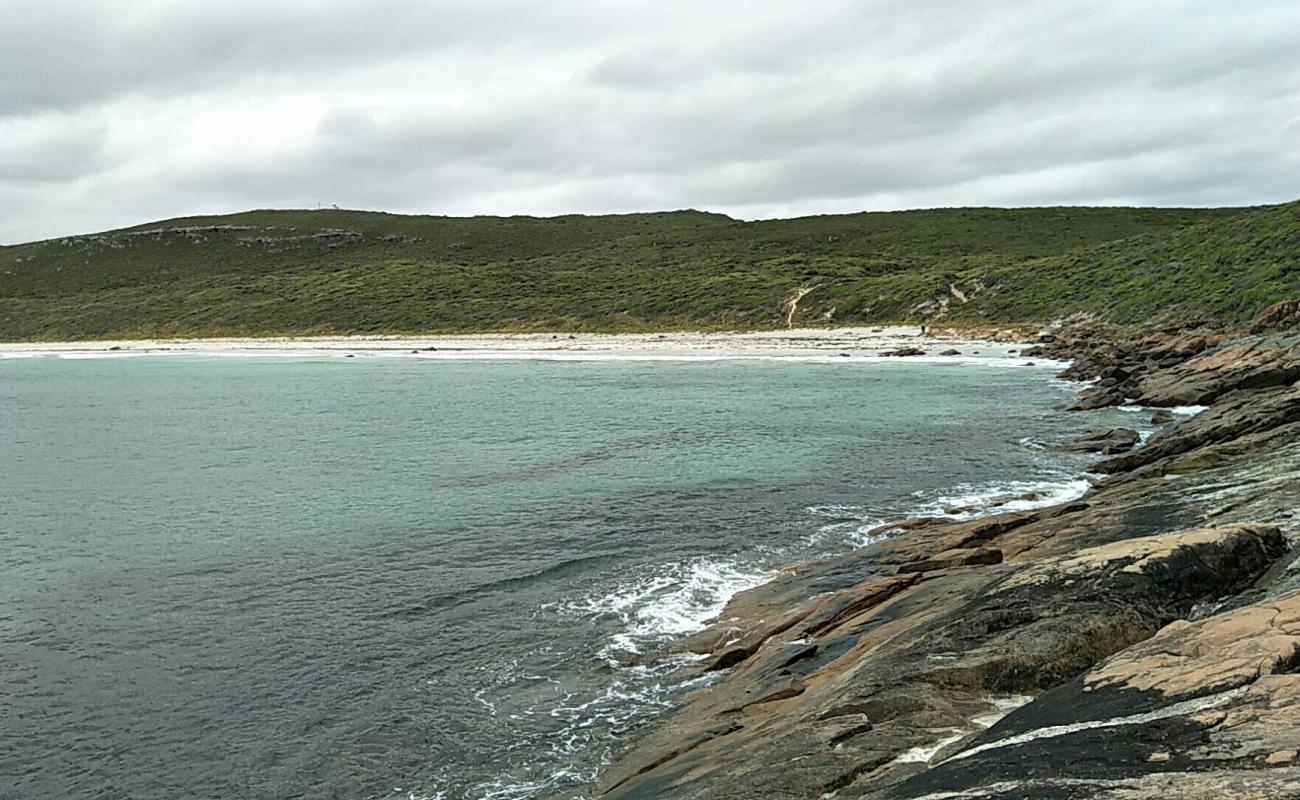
{"x": 385, "y": 577}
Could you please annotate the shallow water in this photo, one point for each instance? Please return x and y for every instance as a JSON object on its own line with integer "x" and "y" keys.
{"x": 376, "y": 577}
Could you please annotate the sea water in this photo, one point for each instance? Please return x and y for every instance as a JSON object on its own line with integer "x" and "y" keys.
{"x": 383, "y": 577}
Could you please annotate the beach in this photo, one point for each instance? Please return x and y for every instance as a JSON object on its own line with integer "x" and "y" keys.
{"x": 853, "y": 342}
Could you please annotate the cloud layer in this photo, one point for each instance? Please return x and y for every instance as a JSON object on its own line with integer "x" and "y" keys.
{"x": 115, "y": 113}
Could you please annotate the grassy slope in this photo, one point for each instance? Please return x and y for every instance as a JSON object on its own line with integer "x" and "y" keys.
{"x": 285, "y": 272}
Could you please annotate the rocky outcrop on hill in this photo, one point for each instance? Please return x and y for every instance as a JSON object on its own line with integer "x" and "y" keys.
{"x": 1141, "y": 640}
{"x": 1285, "y": 314}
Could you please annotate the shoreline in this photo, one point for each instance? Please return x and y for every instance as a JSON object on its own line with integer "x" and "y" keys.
{"x": 943, "y": 657}
{"x": 800, "y": 343}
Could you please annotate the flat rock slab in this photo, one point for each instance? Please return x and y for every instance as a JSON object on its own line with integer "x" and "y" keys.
{"x": 892, "y": 665}
{"x": 1207, "y": 709}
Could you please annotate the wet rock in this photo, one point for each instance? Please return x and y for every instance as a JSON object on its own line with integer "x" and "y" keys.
{"x": 1108, "y": 442}
{"x": 903, "y": 352}
{"x": 950, "y": 352}
{"x": 1099, "y": 397}
{"x": 853, "y": 696}
{"x": 1233, "y": 417}
{"x": 1162, "y": 417}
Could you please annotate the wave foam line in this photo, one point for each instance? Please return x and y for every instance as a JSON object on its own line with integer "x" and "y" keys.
{"x": 971, "y": 500}
{"x": 671, "y": 601}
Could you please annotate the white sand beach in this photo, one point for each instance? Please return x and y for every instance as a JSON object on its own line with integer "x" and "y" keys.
{"x": 799, "y": 343}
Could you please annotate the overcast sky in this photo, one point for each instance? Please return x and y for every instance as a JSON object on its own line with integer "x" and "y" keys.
{"x": 115, "y": 112}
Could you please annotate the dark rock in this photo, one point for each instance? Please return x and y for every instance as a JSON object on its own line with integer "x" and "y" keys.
{"x": 1209, "y": 709}
{"x": 1108, "y": 442}
{"x": 1099, "y": 397}
{"x": 1162, "y": 417}
{"x": 961, "y": 557}
{"x": 950, "y": 352}
{"x": 1233, "y": 417}
{"x": 904, "y": 351}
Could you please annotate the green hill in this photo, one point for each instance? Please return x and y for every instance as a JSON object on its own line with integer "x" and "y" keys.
{"x": 268, "y": 272}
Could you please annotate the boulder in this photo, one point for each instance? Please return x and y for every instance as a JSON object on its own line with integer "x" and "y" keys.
{"x": 1107, "y": 442}
{"x": 1098, "y": 397}
{"x": 903, "y": 352}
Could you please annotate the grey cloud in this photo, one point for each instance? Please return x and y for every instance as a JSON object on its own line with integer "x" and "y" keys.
{"x": 62, "y": 53}
{"x": 51, "y": 150}
{"x": 748, "y": 108}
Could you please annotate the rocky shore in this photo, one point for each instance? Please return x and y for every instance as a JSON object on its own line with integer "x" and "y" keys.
{"x": 1142, "y": 640}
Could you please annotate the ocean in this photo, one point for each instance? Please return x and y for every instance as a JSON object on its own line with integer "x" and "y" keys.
{"x": 382, "y": 577}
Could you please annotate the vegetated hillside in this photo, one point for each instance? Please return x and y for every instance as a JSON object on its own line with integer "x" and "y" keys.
{"x": 1225, "y": 270}
{"x": 266, "y": 272}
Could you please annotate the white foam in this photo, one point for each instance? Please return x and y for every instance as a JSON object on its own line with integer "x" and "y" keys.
{"x": 95, "y": 356}
{"x": 923, "y": 754}
{"x": 669, "y": 601}
{"x": 1002, "y": 705}
{"x": 850, "y": 525}
{"x": 584, "y": 723}
{"x": 1182, "y": 411}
